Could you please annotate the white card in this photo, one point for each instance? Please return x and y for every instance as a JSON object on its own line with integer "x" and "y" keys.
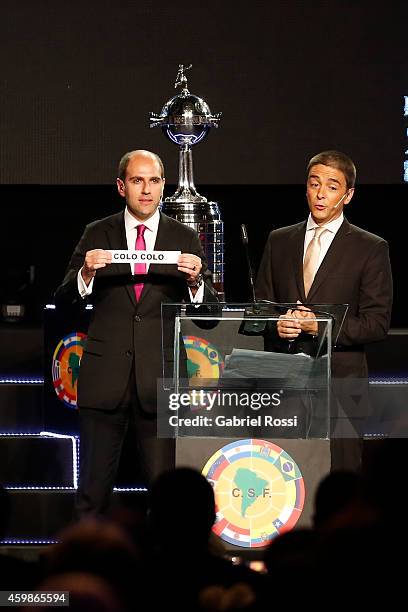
{"x": 145, "y": 257}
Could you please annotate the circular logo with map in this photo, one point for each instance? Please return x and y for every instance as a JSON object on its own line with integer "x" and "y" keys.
{"x": 259, "y": 492}
{"x": 203, "y": 359}
{"x": 65, "y": 367}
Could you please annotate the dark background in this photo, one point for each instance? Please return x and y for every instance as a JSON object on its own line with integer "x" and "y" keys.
{"x": 49, "y": 221}
{"x": 78, "y": 79}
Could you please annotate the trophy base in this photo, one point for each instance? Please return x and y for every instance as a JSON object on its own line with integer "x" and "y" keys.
{"x": 205, "y": 219}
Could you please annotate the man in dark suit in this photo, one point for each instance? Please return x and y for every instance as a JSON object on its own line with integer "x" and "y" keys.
{"x": 122, "y": 358}
{"x": 326, "y": 260}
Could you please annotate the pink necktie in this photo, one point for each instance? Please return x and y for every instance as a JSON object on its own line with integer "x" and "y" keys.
{"x": 140, "y": 268}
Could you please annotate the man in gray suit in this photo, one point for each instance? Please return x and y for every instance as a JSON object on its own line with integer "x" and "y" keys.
{"x": 327, "y": 260}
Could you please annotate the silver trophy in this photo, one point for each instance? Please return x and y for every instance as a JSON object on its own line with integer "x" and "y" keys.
{"x": 186, "y": 120}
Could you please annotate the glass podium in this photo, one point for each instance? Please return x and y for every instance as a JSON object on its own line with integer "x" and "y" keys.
{"x": 227, "y": 364}
{"x": 249, "y": 410}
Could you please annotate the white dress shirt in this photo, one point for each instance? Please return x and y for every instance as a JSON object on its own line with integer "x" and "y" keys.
{"x": 150, "y": 235}
{"x": 326, "y": 238}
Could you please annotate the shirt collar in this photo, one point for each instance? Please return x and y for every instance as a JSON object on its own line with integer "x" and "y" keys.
{"x": 152, "y": 223}
{"x": 332, "y": 226}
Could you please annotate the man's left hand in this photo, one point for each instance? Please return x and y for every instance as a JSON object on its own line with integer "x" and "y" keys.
{"x": 306, "y": 318}
{"x": 191, "y": 266}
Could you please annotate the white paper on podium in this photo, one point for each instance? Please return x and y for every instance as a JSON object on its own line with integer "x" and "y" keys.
{"x": 245, "y": 363}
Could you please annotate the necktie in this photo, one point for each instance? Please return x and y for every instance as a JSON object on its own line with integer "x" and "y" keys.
{"x": 140, "y": 268}
{"x": 312, "y": 258}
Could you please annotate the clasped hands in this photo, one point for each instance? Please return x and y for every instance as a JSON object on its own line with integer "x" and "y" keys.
{"x": 95, "y": 259}
{"x": 295, "y": 321}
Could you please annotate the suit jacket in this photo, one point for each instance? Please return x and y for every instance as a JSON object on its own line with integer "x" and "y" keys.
{"x": 356, "y": 271}
{"x": 124, "y": 333}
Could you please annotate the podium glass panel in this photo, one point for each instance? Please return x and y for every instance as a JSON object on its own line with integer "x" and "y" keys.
{"x": 227, "y": 373}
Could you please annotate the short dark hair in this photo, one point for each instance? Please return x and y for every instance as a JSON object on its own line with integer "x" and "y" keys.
{"x": 337, "y": 160}
{"x": 123, "y": 164}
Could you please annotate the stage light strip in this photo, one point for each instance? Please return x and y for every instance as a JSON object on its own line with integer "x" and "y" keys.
{"x": 75, "y": 463}
{"x": 19, "y": 380}
{"x": 390, "y": 381}
{"x": 37, "y": 488}
{"x": 130, "y": 489}
{"x": 16, "y": 434}
{"x": 74, "y": 440}
{"x": 78, "y": 452}
{"x": 375, "y": 435}
{"x": 51, "y": 434}
{"x": 53, "y": 307}
{"x": 405, "y": 167}
{"x": 28, "y": 542}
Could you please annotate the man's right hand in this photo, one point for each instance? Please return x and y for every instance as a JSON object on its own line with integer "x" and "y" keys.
{"x": 95, "y": 259}
{"x": 288, "y": 325}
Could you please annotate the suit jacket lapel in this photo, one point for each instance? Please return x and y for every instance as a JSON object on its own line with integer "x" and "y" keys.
{"x": 116, "y": 236}
{"x": 297, "y": 254}
{"x": 330, "y": 260}
{"x": 161, "y": 242}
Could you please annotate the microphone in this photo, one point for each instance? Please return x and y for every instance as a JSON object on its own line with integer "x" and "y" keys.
{"x": 340, "y": 201}
{"x": 248, "y": 327}
{"x": 244, "y": 239}
{"x": 244, "y": 234}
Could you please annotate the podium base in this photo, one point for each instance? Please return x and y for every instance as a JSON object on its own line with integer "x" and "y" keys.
{"x": 312, "y": 458}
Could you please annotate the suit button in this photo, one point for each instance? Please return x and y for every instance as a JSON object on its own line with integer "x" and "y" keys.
{"x": 137, "y": 318}
{"x": 128, "y": 353}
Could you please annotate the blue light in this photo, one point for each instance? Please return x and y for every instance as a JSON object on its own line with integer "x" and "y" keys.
{"x": 21, "y": 380}
{"x": 18, "y": 433}
{"x": 74, "y": 441}
{"x": 29, "y": 488}
{"x": 28, "y": 542}
{"x": 130, "y": 489}
{"x": 389, "y": 381}
{"x": 75, "y": 463}
{"x": 405, "y": 176}
{"x": 51, "y": 434}
{"x": 53, "y": 307}
{"x": 181, "y": 139}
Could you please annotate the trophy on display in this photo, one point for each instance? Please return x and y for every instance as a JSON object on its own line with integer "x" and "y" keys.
{"x": 186, "y": 120}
